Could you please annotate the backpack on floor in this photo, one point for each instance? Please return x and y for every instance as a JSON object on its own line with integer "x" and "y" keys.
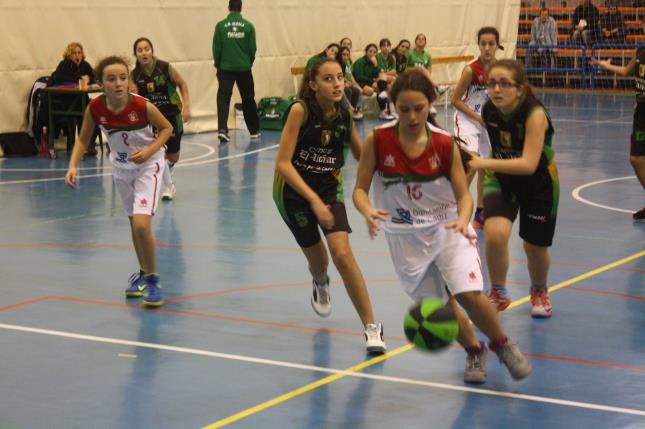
{"x": 272, "y": 111}
{"x": 18, "y": 144}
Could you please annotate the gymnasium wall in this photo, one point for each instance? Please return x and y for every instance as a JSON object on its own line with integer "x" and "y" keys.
{"x": 288, "y": 33}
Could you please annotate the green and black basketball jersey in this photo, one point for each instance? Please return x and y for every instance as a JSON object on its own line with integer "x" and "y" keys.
{"x": 155, "y": 84}
{"x": 320, "y": 153}
{"x": 386, "y": 64}
{"x": 506, "y": 133}
{"x": 401, "y": 62}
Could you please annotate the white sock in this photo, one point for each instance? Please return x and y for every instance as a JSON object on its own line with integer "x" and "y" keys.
{"x": 321, "y": 279}
{"x": 167, "y": 177}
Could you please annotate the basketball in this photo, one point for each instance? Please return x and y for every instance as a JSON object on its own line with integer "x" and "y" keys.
{"x": 430, "y": 325}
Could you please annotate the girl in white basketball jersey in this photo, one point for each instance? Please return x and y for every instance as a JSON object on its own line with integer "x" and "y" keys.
{"x": 468, "y": 98}
{"x": 137, "y": 156}
{"x": 424, "y": 207}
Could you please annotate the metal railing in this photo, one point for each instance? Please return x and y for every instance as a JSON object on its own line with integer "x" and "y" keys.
{"x": 571, "y": 61}
{"x": 566, "y": 58}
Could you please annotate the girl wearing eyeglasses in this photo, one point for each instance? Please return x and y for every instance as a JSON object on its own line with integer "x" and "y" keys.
{"x": 521, "y": 176}
{"x": 468, "y": 98}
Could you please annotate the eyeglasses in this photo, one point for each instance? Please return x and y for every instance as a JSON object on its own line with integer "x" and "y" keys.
{"x": 503, "y": 84}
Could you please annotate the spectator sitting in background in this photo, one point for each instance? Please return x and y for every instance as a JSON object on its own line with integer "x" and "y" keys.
{"x": 73, "y": 69}
{"x": 612, "y": 25}
{"x": 544, "y": 33}
{"x": 586, "y": 21}
{"x": 401, "y": 55}
{"x": 330, "y": 52}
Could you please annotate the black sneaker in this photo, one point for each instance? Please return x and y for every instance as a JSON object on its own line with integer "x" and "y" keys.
{"x": 639, "y": 216}
{"x": 223, "y": 137}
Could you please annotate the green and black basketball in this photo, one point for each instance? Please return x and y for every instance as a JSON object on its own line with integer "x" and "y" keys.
{"x": 430, "y": 325}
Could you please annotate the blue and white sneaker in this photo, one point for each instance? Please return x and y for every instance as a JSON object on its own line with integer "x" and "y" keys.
{"x": 137, "y": 285}
{"x": 152, "y": 295}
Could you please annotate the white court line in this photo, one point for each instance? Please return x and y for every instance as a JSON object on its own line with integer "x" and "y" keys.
{"x": 283, "y": 364}
{"x": 209, "y": 151}
{"x": 576, "y": 194}
{"x": 208, "y": 161}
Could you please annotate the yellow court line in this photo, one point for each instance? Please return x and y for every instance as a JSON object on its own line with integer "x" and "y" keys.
{"x": 582, "y": 277}
{"x": 311, "y": 386}
{"x": 306, "y": 388}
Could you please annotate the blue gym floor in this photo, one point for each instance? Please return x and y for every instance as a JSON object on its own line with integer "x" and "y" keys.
{"x": 238, "y": 344}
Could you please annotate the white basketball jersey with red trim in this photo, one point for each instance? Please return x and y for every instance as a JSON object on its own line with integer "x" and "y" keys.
{"x": 128, "y": 131}
{"x": 416, "y": 192}
{"x": 474, "y": 98}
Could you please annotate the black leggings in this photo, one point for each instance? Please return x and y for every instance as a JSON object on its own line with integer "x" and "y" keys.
{"x": 352, "y": 93}
{"x": 382, "y": 101}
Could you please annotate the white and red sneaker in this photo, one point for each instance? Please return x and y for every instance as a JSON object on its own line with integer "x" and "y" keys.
{"x": 499, "y": 298}
{"x": 541, "y": 304}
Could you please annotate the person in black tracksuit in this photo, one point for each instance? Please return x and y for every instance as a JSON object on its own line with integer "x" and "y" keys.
{"x": 233, "y": 54}
{"x": 72, "y": 69}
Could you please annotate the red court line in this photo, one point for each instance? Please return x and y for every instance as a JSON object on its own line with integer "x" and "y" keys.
{"x": 307, "y": 328}
{"x": 582, "y": 265}
{"x": 26, "y": 303}
{"x": 261, "y": 287}
{"x": 605, "y": 292}
{"x": 206, "y": 246}
{"x": 517, "y": 283}
{"x": 587, "y": 362}
{"x": 204, "y": 315}
{"x": 242, "y": 289}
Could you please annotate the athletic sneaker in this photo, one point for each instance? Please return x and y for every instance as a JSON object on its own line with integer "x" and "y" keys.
{"x": 357, "y": 115}
{"x": 478, "y": 220}
{"x": 499, "y": 298}
{"x": 382, "y": 95}
{"x": 256, "y": 136}
{"x": 517, "y": 364}
{"x": 152, "y": 295}
{"x": 223, "y": 137}
{"x": 475, "y": 372}
{"x": 168, "y": 192}
{"x": 639, "y": 216}
{"x": 321, "y": 299}
{"x": 541, "y": 304}
{"x": 385, "y": 115}
{"x": 374, "y": 338}
{"x": 433, "y": 111}
{"x": 137, "y": 285}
